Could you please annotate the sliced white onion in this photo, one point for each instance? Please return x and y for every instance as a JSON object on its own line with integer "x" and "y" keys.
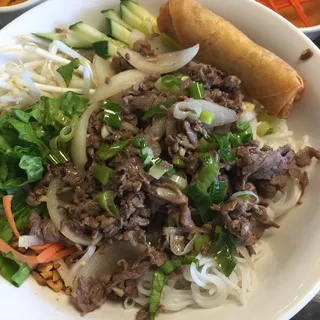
{"x": 68, "y": 275}
{"x": 247, "y": 116}
{"x": 135, "y": 36}
{"x": 187, "y": 109}
{"x": 101, "y": 70}
{"x": 29, "y": 241}
{"x": 177, "y": 245}
{"x": 120, "y": 82}
{"x": 163, "y": 63}
{"x": 58, "y": 216}
{"x": 245, "y": 193}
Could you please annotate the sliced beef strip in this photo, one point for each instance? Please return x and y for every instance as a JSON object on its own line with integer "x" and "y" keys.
{"x": 304, "y": 156}
{"x": 88, "y": 294}
{"x": 221, "y": 88}
{"x": 245, "y": 220}
{"x": 144, "y": 48}
{"x": 119, "y": 64}
{"x": 143, "y": 96}
{"x": 45, "y": 229}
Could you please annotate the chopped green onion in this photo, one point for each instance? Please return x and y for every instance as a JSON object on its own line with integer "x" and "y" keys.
{"x": 170, "y": 83}
{"x": 201, "y": 201}
{"x": 178, "y": 162}
{"x": 106, "y": 152}
{"x": 222, "y": 250}
{"x": 206, "y": 117}
{"x": 112, "y": 114}
{"x": 146, "y": 155}
{"x": 225, "y": 151}
{"x": 102, "y": 174}
{"x": 170, "y": 221}
{"x": 105, "y": 200}
{"x": 265, "y": 129}
{"x": 205, "y": 145}
{"x": 234, "y": 139}
{"x": 180, "y": 182}
{"x": 66, "y": 134}
{"x": 160, "y": 278}
{"x": 139, "y": 142}
{"x": 244, "y": 130}
{"x": 196, "y": 91}
{"x": 199, "y": 242}
{"x": 208, "y": 172}
{"x": 66, "y": 71}
{"x": 217, "y": 191}
{"x": 159, "y": 169}
{"x": 159, "y": 109}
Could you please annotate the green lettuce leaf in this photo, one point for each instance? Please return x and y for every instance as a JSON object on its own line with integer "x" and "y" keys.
{"x": 66, "y": 71}
{"x": 13, "y": 270}
{"x": 33, "y": 167}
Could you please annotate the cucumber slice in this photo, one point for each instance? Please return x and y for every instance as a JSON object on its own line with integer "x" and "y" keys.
{"x": 105, "y": 49}
{"x": 88, "y": 33}
{"x": 131, "y": 19}
{"x": 149, "y": 22}
{"x": 66, "y": 37}
{"x": 118, "y": 32}
{"x": 112, "y": 15}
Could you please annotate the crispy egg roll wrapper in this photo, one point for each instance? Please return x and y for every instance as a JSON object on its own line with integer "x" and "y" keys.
{"x": 264, "y": 76}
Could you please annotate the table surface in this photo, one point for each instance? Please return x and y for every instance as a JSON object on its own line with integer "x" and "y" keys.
{"x": 312, "y": 310}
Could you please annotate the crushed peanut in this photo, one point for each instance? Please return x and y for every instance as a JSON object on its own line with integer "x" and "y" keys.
{"x": 56, "y": 276}
{"x": 38, "y": 278}
{"x": 56, "y": 265}
{"x": 55, "y": 286}
{"x": 45, "y": 267}
{"x": 47, "y": 275}
{"x": 68, "y": 291}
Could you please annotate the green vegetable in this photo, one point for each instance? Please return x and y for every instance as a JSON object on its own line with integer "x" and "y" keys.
{"x": 170, "y": 221}
{"x": 201, "y": 200}
{"x": 265, "y": 129}
{"x": 32, "y": 166}
{"x": 159, "y": 169}
{"x": 106, "y": 152}
{"x": 146, "y": 155}
{"x": 101, "y": 49}
{"x": 102, "y": 174}
{"x": 178, "y": 162}
{"x": 196, "y": 91}
{"x": 160, "y": 278}
{"x": 105, "y": 200}
{"x": 224, "y": 150}
{"x": 170, "y": 83}
{"x": 235, "y": 139}
{"x": 66, "y": 71}
{"x": 159, "y": 109}
{"x": 217, "y": 191}
{"x": 208, "y": 172}
{"x": 112, "y": 114}
{"x": 205, "y": 146}
{"x": 244, "y": 131}
{"x": 139, "y": 142}
{"x": 13, "y": 270}
{"x": 222, "y": 250}
{"x": 206, "y": 117}
{"x": 199, "y": 242}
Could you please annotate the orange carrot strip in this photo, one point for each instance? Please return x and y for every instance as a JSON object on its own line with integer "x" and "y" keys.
{"x": 49, "y": 252}
{"x": 5, "y": 248}
{"x": 6, "y": 200}
{"x": 62, "y": 254}
{"x": 40, "y": 248}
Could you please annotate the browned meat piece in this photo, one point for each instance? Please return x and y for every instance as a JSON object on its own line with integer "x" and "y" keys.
{"x": 303, "y": 157}
{"x": 45, "y": 229}
{"x": 88, "y": 294}
{"x": 119, "y": 64}
{"x": 186, "y": 219}
{"x": 144, "y": 48}
{"x": 306, "y": 54}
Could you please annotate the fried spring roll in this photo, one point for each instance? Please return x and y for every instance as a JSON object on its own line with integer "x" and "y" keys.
{"x": 265, "y": 76}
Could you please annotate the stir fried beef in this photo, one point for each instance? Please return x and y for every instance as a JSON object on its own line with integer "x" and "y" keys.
{"x": 144, "y": 48}
{"x": 119, "y": 64}
{"x": 148, "y": 204}
{"x": 143, "y": 96}
{"x": 221, "y": 88}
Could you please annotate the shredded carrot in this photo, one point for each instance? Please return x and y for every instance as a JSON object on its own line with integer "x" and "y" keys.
{"x": 40, "y": 248}
{"x": 7, "y": 209}
{"x": 48, "y": 253}
{"x": 6, "y": 248}
{"x": 62, "y": 254}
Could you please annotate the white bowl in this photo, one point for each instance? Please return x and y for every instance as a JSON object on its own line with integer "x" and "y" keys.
{"x": 9, "y": 13}
{"x": 289, "y": 273}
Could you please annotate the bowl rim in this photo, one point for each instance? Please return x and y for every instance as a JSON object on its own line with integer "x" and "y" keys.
{"x": 311, "y": 29}
{"x": 20, "y": 6}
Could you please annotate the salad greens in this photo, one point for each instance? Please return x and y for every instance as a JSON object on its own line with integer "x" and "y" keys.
{"x": 66, "y": 71}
